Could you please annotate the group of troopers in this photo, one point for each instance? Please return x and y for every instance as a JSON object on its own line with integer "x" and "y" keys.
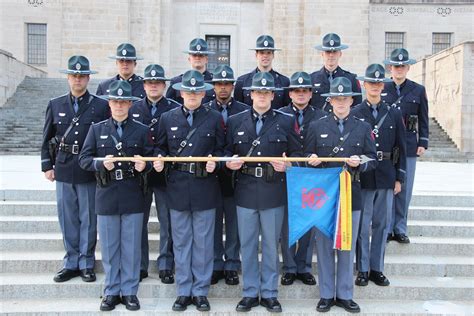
{"x": 269, "y": 115}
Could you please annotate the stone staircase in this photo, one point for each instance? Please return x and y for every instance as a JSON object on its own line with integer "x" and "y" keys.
{"x": 433, "y": 274}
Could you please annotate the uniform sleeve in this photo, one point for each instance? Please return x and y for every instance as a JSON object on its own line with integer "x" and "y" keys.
{"x": 172, "y": 93}
{"x": 286, "y": 92}
{"x": 99, "y": 89}
{"x": 89, "y": 152}
{"x": 369, "y": 150}
{"x": 356, "y": 88}
{"x": 148, "y": 150}
{"x": 294, "y": 147}
{"x": 401, "y": 143}
{"x": 229, "y": 139}
{"x": 161, "y": 147}
{"x": 238, "y": 91}
{"x": 309, "y": 142}
{"x": 423, "y": 120}
{"x": 48, "y": 133}
{"x": 220, "y": 141}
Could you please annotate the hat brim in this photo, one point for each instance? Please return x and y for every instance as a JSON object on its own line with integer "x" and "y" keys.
{"x": 119, "y": 98}
{"x": 265, "y": 48}
{"x": 399, "y": 63}
{"x": 77, "y": 72}
{"x": 299, "y": 87}
{"x": 222, "y": 80}
{"x": 126, "y": 58}
{"x": 179, "y": 86}
{"x": 155, "y": 79}
{"x": 350, "y": 94}
{"x": 368, "y": 79}
{"x": 198, "y": 52}
{"x": 331, "y": 48}
{"x": 254, "y": 88}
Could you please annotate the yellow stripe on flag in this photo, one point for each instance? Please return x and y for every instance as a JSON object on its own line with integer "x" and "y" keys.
{"x": 346, "y": 210}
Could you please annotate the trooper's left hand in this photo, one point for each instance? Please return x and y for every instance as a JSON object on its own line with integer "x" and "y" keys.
{"x": 279, "y": 165}
{"x": 353, "y": 161}
{"x": 397, "y": 188}
{"x": 210, "y": 165}
{"x": 139, "y": 164}
{"x": 420, "y": 151}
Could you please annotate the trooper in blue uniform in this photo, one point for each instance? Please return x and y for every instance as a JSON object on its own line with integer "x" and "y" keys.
{"x": 264, "y": 54}
{"x": 198, "y": 58}
{"x": 260, "y": 189}
{"x": 126, "y": 62}
{"x": 379, "y": 185}
{"x": 297, "y": 263}
{"x": 226, "y": 258}
{"x": 192, "y": 188}
{"x": 410, "y": 98}
{"x": 148, "y": 111}
{"x": 331, "y": 52}
{"x": 67, "y": 121}
{"x": 119, "y": 195}
{"x": 340, "y": 134}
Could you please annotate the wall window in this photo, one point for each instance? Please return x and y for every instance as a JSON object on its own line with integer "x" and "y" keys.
{"x": 36, "y": 44}
{"x": 441, "y": 41}
{"x": 220, "y": 45}
{"x": 393, "y": 40}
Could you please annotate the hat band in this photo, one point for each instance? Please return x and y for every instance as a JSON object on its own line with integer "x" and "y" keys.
{"x": 192, "y": 88}
{"x": 119, "y": 97}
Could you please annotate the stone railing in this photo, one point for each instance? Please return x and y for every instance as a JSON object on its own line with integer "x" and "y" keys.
{"x": 12, "y": 73}
{"x": 449, "y": 81}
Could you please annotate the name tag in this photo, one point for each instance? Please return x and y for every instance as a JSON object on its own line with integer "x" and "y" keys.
{"x": 104, "y": 136}
{"x": 174, "y": 128}
{"x": 62, "y": 114}
{"x": 317, "y": 84}
{"x": 136, "y": 115}
{"x": 240, "y": 133}
{"x": 362, "y": 119}
{"x": 324, "y": 135}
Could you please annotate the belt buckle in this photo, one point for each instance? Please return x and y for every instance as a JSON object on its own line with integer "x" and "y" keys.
{"x": 75, "y": 149}
{"x": 258, "y": 172}
{"x": 335, "y": 150}
{"x": 183, "y": 144}
{"x": 118, "y": 146}
{"x": 379, "y": 155}
{"x": 255, "y": 143}
{"x": 118, "y": 174}
{"x": 192, "y": 167}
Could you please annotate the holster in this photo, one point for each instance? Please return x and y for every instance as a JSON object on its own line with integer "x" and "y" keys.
{"x": 53, "y": 145}
{"x": 412, "y": 123}
{"x": 395, "y": 155}
{"x": 143, "y": 178}
{"x": 269, "y": 173}
{"x": 355, "y": 175}
{"x": 201, "y": 171}
{"x": 103, "y": 178}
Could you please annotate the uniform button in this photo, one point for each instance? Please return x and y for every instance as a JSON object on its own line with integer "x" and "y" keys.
{"x": 377, "y": 135}
{"x": 153, "y": 137}
{"x": 174, "y": 136}
{"x": 152, "y": 129}
{"x": 342, "y": 149}
{"x": 391, "y": 126}
{"x": 120, "y": 154}
{"x": 240, "y": 142}
{"x": 190, "y": 145}
{"x": 77, "y": 124}
{"x": 259, "y": 164}
{"x": 102, "y": 145}
{"x": 376, "y": 145}
{"x": 59, "y": 122}
{"x": 119, "y": 164}
{"x": 301, "y": 137}
{"x": 358, "y": 144}
{"x": 278, "y": 140}
{"x": 259, "y": 153}
{"x": 75, "y": 142}
{"x": 92, "y": 122}
{"x": 341, "y": 138}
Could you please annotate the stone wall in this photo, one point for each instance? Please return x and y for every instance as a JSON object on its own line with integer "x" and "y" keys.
{"x": 12, "y": 74}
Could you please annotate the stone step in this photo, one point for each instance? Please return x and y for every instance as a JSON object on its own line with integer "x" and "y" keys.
{"x": 415, "y": 265}
{"x": 419, "y": 245}
{"x": 42, "y": 286}
{"x": 222, "y": 306}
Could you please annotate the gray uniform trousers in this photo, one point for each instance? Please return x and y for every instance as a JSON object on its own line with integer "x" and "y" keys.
{"x": 193, "y": 245}
{"x": 120, "y": 239}
{"x": 165, "y": 259}
{"x": 251, "y": 223}
{"x": 229, "y": 252}
{"x": 374, "y": 228}
{"x": 342, "y": 284}
{"x": 402, "y": 200}
{"x": 296, "y": 260}
{"x": 78, "y": 222}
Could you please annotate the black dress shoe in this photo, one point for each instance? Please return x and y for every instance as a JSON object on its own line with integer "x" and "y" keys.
{"x": 288, "y": 278}
{"x": 401, "y": 238}
{"x": 325, "y": 304}
{"x": 109, "y": 302}
{"x": 378, "y": 278}
{"x": 246, "y": 304}
{"x": 65, "y": 275}
{"x": 216, "y": 276}
{"x": 389, "y": 237}
{"x": 166, "y": 276}
{"x": 181, "y": 303}
{"x": 271, "y": 304}
{"x": 202, "y": 304}
{"x": 88, "y": 275}
{"x": 143, "y": 275}
{"x": 307, "y": 278}
{"x": 362, "y": 279}
{"x": 131, "y": 302}
{"x": 349, "y": 305}
{"x": 231, "y": 277}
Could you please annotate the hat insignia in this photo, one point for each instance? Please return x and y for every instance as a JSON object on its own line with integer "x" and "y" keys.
{"x": 192, "y": 81}
{"x": 198, "y": 47}
{"x": 78, "y": 66}
{"x": 120, "y": 91}
{"x": 264, "y": 82}
{"x": 400, "y": 57}
{"x": 377, "y": 74}
{"x": 224, "y": 73}
{"x": 340, "y": 88}
{"x": 153, "y": 72}
{"x": 300, "y": 80}
{"x": 265, "y": 43}
{"x": 331, "y": 42}
{"x": 124, "y": 52}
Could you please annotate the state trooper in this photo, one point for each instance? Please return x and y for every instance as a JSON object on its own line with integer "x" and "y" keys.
{"x": 119, "y": 195}
{"x": 198, "y": 53}
{"x": 192, "y": 188}
{"x": 126, "y": 62}
{"x": 380, "y": 185}
{"x": 340, "y": 134}
{"x": 148, "y": 111}
{"x": 297, "y": 263}
{"x": 264, "y": 54}
{"x": 331, "y": 52}
{"x": 260, "y": 189}
{"x": 67, "y": 121}
{"x": 226, "y": 258}
{"x": 410, "y": 97}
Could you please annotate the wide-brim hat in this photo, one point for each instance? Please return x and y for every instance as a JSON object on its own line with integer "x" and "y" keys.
{"x": 374, "y": 73}
{"x": 223, "y": 73}
{"x": 300, "y": 80}
{"x": 341, "y": 87}
{"x": 154, "y": 72}
{"x": 192, "y": 81}
{"x": 78, "y": 65}
{"x": 198, "y": 46}
{"x": 263, "y": 81}
{"x": 331, "y": 42}
{"x": 398, "y": 57}
{"x": 120, "y": 90}
{"x": 265, "y": 42}
{"x": 126, "y": 51}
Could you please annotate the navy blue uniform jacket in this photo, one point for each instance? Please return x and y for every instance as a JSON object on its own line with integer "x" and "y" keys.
{"x": 135, "y": 80}
{"x": 176, "y": 95}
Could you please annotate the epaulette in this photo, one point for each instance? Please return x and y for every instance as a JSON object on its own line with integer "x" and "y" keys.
{"x": 139, "y": 123}
{"x": 287, "y": 114}
{"x": 323, "y": 117}
{"x": 61, "y": 96}
{"x": 173, "y": 101}
{"x": 101, "y": 122}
